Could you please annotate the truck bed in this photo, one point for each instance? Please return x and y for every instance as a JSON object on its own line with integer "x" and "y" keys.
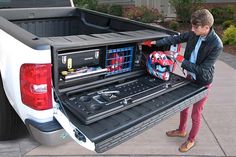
{"x": 73, "y": 26}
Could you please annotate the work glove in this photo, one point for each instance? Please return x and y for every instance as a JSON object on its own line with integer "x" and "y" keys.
{"x": 179, "y": 58}
{"x": 149, "y": 43}
{"x": 175, "y": 55}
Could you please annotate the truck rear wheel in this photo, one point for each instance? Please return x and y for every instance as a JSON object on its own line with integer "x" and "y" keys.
{"x": 11, "y": 125}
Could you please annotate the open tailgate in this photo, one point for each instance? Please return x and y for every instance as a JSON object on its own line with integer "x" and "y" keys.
{"x": 111, "y": 131}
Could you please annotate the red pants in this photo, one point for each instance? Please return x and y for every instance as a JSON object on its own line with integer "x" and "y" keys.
{"x": 196, "y": 118}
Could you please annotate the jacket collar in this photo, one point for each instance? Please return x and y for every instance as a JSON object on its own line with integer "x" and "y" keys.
{"x": 205, "y": 38}
{"x": 210, "y": 34}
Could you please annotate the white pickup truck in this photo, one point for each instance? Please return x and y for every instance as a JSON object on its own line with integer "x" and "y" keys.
{"x": 71, "y": 71}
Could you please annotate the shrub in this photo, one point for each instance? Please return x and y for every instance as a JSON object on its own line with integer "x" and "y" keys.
{"x": 115, "y": 10}
{"x": 88, "y": 4}
{"x": 226, "y": 24}
{"x": 229, "y": 36}
{"x": 143, "y": 14}
{"x": 222, "y": 14}
{"x": 103, "y": 8}
{"x": 174, "y": 25}
{"x": 149, "y": 15}
{"x": 133, "y": 13}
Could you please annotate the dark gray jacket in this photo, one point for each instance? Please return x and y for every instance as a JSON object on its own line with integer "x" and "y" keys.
{"x": 208, "y": 52}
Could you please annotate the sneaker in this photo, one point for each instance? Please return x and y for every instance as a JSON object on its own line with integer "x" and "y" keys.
{"x": 186, "y": 146}
{"x": 176, "y": 133}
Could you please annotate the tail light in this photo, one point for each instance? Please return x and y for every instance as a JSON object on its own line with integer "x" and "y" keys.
{"x": 36, "y": 86}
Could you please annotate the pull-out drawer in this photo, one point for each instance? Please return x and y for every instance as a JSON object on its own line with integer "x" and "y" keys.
{"x": 111, "y": 131}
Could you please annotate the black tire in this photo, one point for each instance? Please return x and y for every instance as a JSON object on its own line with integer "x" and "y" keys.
{"x": 11, "y": 125}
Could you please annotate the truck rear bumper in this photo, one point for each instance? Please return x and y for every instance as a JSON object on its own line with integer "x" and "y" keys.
{"x": 49, "y": 133}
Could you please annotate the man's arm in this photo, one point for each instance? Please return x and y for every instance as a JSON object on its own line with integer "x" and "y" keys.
{"x": 172, "y": 40}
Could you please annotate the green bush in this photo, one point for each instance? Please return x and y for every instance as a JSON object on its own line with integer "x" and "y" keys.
{"x": 149, "y": 15}
{"x": 88, "y": 4}
{"x": 104, "y": 8}
{"x": 222, "y": 14}
{"x": 115, "y": 10}
{"x": 174, "y": 25}
{"x": 143, "y": 14}
{"x": 226, "y": 24}
{"x": 229, "y": 36}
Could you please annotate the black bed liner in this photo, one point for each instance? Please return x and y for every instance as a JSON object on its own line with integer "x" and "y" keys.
{"x": 111, "y": 131}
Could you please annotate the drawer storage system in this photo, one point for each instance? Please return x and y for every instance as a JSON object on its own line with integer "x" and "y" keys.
{"x": 104, "y": 90}
{"x": 91, "y": 106}
{"x": 119, "y": 99}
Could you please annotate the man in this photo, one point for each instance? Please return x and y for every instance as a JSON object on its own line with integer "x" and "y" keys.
{"x": 202, "y": 49}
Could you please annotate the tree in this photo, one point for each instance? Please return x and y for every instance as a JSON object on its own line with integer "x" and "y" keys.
{"x": 184, "y": 8}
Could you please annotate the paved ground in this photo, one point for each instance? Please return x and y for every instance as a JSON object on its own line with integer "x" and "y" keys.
{"x": 217, "y": 136}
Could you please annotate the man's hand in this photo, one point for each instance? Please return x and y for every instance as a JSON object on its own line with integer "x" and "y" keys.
{"x": 149, "y": 43}
{"x": 180, "y": 58}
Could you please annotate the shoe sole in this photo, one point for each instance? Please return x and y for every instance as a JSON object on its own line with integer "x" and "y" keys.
{"x": 175, "y": 135}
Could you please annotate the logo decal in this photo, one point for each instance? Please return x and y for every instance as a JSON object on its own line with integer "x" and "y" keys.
{"x": 96, "y": 54}
{"x": 63, "y": 59}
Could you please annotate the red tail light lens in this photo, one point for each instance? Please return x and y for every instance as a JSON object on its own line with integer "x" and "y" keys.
{"x": 36, "y": 86}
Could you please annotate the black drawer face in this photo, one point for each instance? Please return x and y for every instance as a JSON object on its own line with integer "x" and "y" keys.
{"x": 77, "y": 59}
{"x": 94, "y": 105}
